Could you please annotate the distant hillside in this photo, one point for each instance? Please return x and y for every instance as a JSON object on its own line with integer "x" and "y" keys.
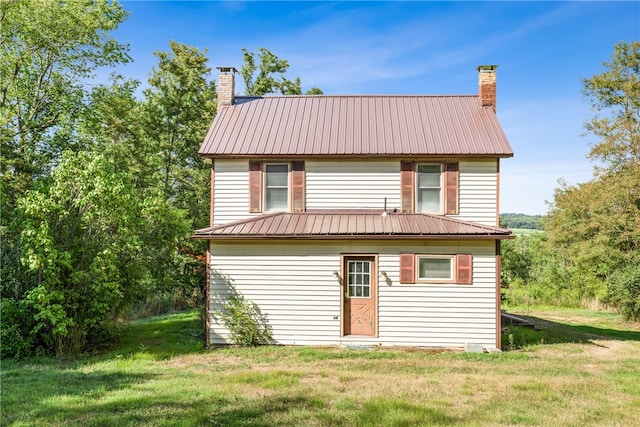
{"x": 518, "y": 220}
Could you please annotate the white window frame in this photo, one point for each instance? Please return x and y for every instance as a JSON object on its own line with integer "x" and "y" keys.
{"x": 362, "y": 286}
{"x": 440, "y": 210}
{"x": 265, "y": 189}
{"x": 452, "y": 269}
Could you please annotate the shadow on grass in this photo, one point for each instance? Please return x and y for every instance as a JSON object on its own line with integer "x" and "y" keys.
{"x": 300, "y": 410}
{"x": 127, "y": 408}
{"x": 585, "y": 333}
{"x": 73, "y": 390}
{"x": 30, "y": 389}
{"x": 550, "y": 332}
{"x": 160, "y": 337}
{"x": 393, "y": 412}
{"x": 263, "y": 412}
{"x": 117, "y": 399}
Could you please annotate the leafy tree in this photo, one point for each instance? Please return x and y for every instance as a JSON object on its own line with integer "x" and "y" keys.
{"x": 595, "y": 227}
{"x": 268, "y": 76}
{"x": 47, "y": 48}
{"x": 616, "y": 93}
{"x": 178, "y": 109}
{"x": 532, "y": 273}
{"x": 516, "y": 260}
{"x": 82, "y": 236}
{"x": 314, "y": 91}
{"x": 111, "y": 121}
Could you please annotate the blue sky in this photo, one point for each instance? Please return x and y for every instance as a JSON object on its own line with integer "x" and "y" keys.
{"x": 544, "y": 50}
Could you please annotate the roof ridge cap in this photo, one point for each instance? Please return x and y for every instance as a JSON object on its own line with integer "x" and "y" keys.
{"x": 363, "y": 95}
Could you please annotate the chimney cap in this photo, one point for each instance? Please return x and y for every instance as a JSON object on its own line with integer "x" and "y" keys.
{"x": 487, "y": 68}
{"x": 227, "y": 69}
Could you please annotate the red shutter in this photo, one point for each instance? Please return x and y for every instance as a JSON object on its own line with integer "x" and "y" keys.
{"x": 451, "y": 191}
{"x": 297, "y": 187}
{"x": 464, "y": 268}
{"x": 407, "y": 273}
{"x": 407, "y": 192}
{"x": 255, "y": 187}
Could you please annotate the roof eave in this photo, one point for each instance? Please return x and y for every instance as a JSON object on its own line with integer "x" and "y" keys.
{"x": 223, "y": 237}
{"x": 357, "y": 155}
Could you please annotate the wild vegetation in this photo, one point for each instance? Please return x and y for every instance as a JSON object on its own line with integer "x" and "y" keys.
{"x": 246, "y": 324}
{"x": 580, "y": 369}
{"x": 518, "y": 220}
{"x": 101, "y": 187}
{"x": 590, "y": 252}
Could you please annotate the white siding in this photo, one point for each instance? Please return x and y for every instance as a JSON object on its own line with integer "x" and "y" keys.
{"x": 231, "y": 191}
{"x": 353, "y": 184}
{"x": 294, "y": 284}
{"x": 356, "y": 184}
{"x": 478, "y": 192}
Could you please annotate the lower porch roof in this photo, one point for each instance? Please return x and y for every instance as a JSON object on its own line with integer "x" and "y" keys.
{"x": 351, "y": 224}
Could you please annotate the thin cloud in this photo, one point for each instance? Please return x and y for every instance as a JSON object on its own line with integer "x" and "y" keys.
{"x": 345, "y": 44}
{"x": 343, "y": 50}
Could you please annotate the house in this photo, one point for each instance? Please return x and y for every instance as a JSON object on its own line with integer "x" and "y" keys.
{"x": 358, "y": 220}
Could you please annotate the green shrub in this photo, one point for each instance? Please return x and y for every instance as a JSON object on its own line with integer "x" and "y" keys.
{"x": 246, "y": 324}
{"x": 624, "y": 292}
{"x": 16, "y": 341}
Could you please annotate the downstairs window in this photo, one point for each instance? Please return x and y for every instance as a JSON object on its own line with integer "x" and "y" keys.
{"x": 428, "y": 268}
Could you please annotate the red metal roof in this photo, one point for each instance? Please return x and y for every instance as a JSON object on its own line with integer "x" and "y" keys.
{"x": 352, "y": 225}
{"x": 371, "y": 125}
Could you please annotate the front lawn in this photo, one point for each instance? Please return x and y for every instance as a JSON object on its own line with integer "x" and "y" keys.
{"x": 582, "y": 369}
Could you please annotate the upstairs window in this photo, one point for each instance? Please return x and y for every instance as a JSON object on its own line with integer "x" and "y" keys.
{"x": 276, "y": 187}
{"x": 429, "y": 188}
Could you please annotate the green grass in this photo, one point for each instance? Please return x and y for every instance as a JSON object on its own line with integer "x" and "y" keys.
{"x": 581, "y": 369}
{"x": 161, "y": 337}
{"x": 525, "y": 231}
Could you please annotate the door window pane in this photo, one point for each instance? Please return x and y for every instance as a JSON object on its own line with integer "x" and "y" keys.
{"x": 359, "y": 279}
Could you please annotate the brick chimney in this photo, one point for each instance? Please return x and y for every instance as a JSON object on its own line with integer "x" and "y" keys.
{"x": 226, "y": 86}
{"x": 487, "y": 85}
